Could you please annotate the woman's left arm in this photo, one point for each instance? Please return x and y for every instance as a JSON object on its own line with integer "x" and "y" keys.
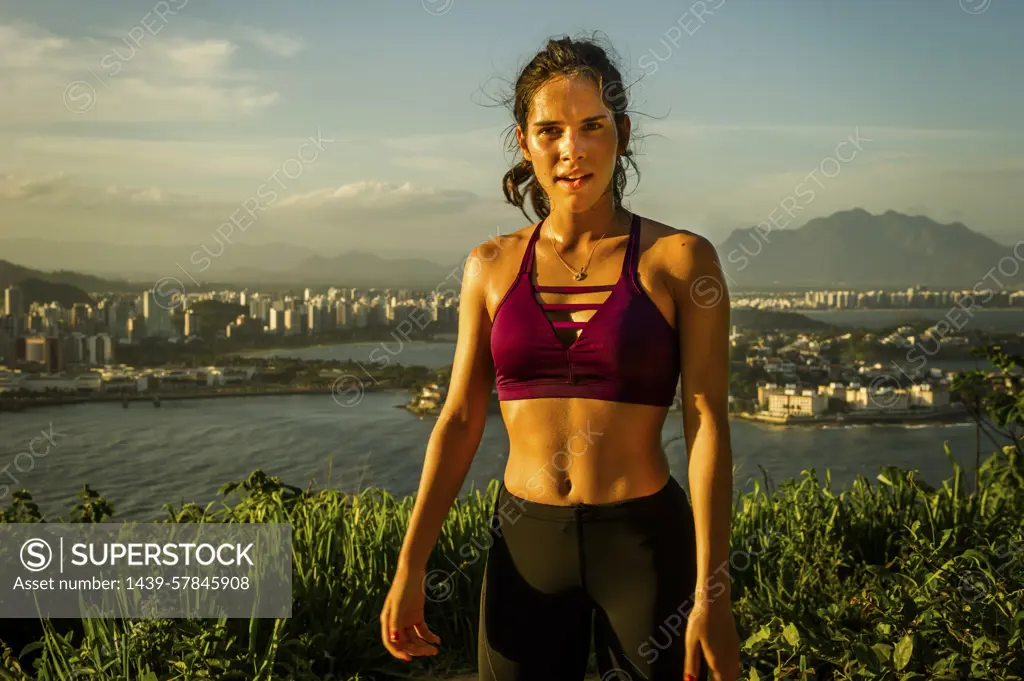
{"x": 702, "y": 311}
{"x": 703, "y": 319}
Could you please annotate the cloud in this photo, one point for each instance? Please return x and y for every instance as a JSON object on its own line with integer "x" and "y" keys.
{"x": 138, "y": 75}
{"x": 487, "y": 141}
{"x": 193, "y": 59}
{"x": 24, "y": 46}
{"x": 275, "y": 43}
{"x": 380, "y": 198}
{"x": 363, "y": 214}
{"x": 684, "y": 129}
{"x": 175, "y": 157}
{"x": 435, "y": 164}
{"x": 62, "y": 190}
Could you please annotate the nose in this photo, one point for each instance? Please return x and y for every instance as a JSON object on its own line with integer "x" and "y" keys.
{"x": 572, "y": 148}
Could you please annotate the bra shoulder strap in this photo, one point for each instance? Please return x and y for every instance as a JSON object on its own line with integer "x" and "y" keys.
{"x": 527, "y": 263}
{"x": 632, "y": 259}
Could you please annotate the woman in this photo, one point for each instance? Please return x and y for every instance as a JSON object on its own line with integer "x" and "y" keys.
{"x": 589, "y": 527}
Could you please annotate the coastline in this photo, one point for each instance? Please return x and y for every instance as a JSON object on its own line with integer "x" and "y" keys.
{"x": 256, "y": 352}
{"x": 62, "y": 400}
{"x": 493, "y": 408}
{"x": 949, "y": 415}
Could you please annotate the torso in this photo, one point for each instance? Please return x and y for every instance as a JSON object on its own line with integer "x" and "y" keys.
{"x": 572, "y": 450}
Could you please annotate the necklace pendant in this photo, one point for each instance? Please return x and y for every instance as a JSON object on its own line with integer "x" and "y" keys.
{"x": 579, "y": 276}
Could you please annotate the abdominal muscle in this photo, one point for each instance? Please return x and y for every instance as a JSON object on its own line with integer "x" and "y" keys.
{"x": 566, "y": 451}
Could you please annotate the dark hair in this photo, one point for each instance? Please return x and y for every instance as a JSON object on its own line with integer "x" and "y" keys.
{"x": 563, "y": 57}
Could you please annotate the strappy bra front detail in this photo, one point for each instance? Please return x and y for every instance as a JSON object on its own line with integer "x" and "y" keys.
{"x": 626, "y": 352}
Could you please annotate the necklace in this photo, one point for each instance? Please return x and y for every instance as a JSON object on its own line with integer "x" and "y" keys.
{"x": 580, "y": 274}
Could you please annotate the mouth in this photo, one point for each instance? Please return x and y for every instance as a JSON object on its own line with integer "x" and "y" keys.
{"x": 574, "y": 182}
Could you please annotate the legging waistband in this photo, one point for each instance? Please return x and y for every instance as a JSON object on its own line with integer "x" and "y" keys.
{"x": 669, "y": 496}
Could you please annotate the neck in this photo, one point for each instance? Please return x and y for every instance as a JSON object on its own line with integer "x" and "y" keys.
{"x": 570, "y": 229}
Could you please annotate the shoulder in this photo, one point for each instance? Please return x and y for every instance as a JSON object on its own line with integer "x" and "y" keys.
{"x": 688, "y": 265}
{"x": 498, "y": 253}
{"x": 498, "y": 250}
{"x": 493, "y": 263}
{"x": 680, "y": 253}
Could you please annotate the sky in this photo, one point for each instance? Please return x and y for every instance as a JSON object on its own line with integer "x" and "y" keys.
{"x": 379, "y": 125}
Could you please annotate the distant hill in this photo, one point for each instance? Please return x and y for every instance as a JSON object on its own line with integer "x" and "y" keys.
{"x": 773, "y": 320}
{"x": 848, "y": 249}
{"x": 40, "y": 287}
{"x": 857, "y": 249}
{"x": 349, "y": 269}
{"x": 144, "y": 264}
{"x": 39, "y": 291}
{"x": 354, "y": 268}
{"x": 15, "y": 274}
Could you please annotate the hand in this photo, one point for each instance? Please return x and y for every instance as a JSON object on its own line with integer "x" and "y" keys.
{"x": 711, "y": 628}
{"x": 401, "y": 620}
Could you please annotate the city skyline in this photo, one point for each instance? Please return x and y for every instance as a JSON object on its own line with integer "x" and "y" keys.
{"x": 155, "y": 123}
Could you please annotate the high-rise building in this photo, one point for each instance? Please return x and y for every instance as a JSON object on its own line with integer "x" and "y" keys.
{"x": 157, "y": 315}
{"x": 81, "y": 313}
{"x": 134, "y": 329}
{"x": 314, "y": 318}
{"x": 117, "y": 319}
{"x": 191, "y": 324}
{"x": 44, "y": 350}
{"x": 360, "y": 314}
{"x": 342, "y": 314}
{"x": 7, "y": 344}
{"x": 14, "y": 305}
{"x": 76, "y": 350}
{"x": 259, "y": 307}
{"x": 101, "y": 349}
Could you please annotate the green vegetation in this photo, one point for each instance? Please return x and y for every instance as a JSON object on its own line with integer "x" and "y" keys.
{"x": 897, "y": 580}
{"x": 213, "y": 316}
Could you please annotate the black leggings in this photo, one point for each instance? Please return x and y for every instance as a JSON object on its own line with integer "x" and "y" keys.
{"x": 552, "y": 567}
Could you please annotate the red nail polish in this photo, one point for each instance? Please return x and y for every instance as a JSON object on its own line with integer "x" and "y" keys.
{"x": 690, "y": 677}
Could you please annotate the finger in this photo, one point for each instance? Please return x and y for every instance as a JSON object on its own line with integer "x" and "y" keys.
{"x": 426, "y": 634}
{"x": 397, "y": 637}
{"x": 395, "y": 647}
{"x": 426, "y": 638}
{"x": 389, "y": 636}
{"x": 416, "y": 645}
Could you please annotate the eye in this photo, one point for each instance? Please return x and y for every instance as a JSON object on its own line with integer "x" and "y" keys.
{"x": 592, "y": 125}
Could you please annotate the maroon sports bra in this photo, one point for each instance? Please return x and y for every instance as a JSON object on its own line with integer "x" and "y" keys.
{"x": 626, "y": 352}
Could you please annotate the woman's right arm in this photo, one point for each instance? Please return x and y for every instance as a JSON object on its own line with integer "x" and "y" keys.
{"x": 460, "y": 425}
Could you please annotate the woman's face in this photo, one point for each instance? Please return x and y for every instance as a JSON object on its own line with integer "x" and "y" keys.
{"x": 570, "y": 133}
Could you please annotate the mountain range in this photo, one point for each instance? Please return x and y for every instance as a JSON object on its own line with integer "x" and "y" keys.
{"x": 848, "y": 249}
{"x": 855, "y": 249}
